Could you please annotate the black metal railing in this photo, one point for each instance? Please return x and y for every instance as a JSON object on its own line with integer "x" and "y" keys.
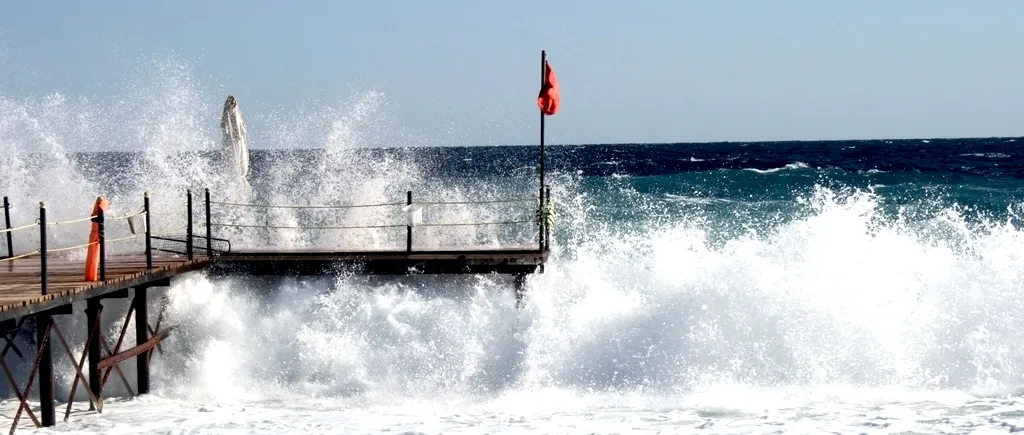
{"x": 410, "y": 209}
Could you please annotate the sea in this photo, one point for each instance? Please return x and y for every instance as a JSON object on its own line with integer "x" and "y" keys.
{"x": 855, "y": 286}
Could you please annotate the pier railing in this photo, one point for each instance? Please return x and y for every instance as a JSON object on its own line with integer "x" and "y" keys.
{"x": 139, "y": 225}
{"x": 411, "y": 211}
{"x": 191, "y": 242}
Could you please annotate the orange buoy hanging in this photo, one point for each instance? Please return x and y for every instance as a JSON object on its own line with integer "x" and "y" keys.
{"x": 92, "y": 257}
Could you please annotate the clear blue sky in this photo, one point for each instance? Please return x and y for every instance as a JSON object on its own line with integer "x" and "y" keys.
{"x": 467, "y": 72}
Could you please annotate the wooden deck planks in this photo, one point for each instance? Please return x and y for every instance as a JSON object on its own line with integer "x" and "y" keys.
{"x": 20, "y": 284}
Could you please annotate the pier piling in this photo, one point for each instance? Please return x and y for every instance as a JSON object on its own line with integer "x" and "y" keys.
{"x": 141, "y": 337}
{"x": 93, "y": 310}
{"x": 44, "y": 324}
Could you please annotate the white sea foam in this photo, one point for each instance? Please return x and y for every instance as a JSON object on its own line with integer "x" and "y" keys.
{"x": 788, "y": 167}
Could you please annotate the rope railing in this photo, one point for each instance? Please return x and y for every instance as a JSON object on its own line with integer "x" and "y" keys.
{"x": 23, "y": 227}
{"x": 383, "y": 204}
{"x": 543, "y": 216}
{"x": 360, "y": 227}
{"x": 461, "y": 224}
{"x": 25, "y": 255}
{"x": 71, "y": 248}
{"x": 100, "y": 219}
{"x": 338, "y": 206}
{"x": 97, "y": 244}
{"x": 69, "y": 222}
{"x": 275, "y": 227}
{"x": 493, "y": 201}
{"x": 75, "y": 221}
{"x": 35, "y": 223}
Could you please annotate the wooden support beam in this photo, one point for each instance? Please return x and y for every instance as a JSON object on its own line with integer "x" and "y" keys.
{"x": 62, "y": 310}
{"x": 79, "y": 376}
{"x": 10, "y": 331}
{"x": 92, "y": 311}
{"x": 115, "y": 359}
{"x": 116, "y": 294}
{"x": 47, "y": 406}
{"x": 117, "y": 349}
{"x": 24, "y": 396}
{"x": 141, "y": 336}
{"x": 163, "y": 282}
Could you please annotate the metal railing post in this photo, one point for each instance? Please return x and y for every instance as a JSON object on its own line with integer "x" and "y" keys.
{"x": 149, "y": 234}
{"x": 188, "y": 225}
{"x": 103, "y": 244}
{"x": 7, "y": 222}
{"x": 209, "y": 230}
{"x": 408, "y": 228}
{"x": 42, "y": 245}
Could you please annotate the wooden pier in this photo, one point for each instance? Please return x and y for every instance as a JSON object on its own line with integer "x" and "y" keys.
{"x": 41, "y": 281}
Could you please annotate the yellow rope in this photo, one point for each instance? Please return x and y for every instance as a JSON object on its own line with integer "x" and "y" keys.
{"x": 19, "y": 256}
{"x": 11, "y": 230}
{"x": 74, "y": 221}
{"x": 475, "y": 224}
{"x": 494, "y": 201}
{"x": 69, "y": 248}
{"x": 386, "y": 204}
{"x": 304, "y": 228}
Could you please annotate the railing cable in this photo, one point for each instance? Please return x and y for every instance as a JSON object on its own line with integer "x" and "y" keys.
{"x": 27, "y": 254}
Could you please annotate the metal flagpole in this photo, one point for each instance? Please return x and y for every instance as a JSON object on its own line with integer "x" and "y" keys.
{"x": 543, "y": 81}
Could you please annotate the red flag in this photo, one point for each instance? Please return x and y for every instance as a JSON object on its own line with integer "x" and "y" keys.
{"x": 549, "y": 100}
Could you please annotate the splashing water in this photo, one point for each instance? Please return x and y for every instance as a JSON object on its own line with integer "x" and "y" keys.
{"x": 801, "y": 298}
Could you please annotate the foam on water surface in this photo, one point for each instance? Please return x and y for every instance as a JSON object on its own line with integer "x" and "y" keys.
{"x": 730, "y": 410}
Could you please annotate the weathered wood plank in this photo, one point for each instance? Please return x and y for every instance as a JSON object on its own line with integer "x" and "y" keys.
{"x": 20, "y": 284}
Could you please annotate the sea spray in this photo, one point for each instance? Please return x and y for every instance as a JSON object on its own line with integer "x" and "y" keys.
{"x": 836, "y": 298}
